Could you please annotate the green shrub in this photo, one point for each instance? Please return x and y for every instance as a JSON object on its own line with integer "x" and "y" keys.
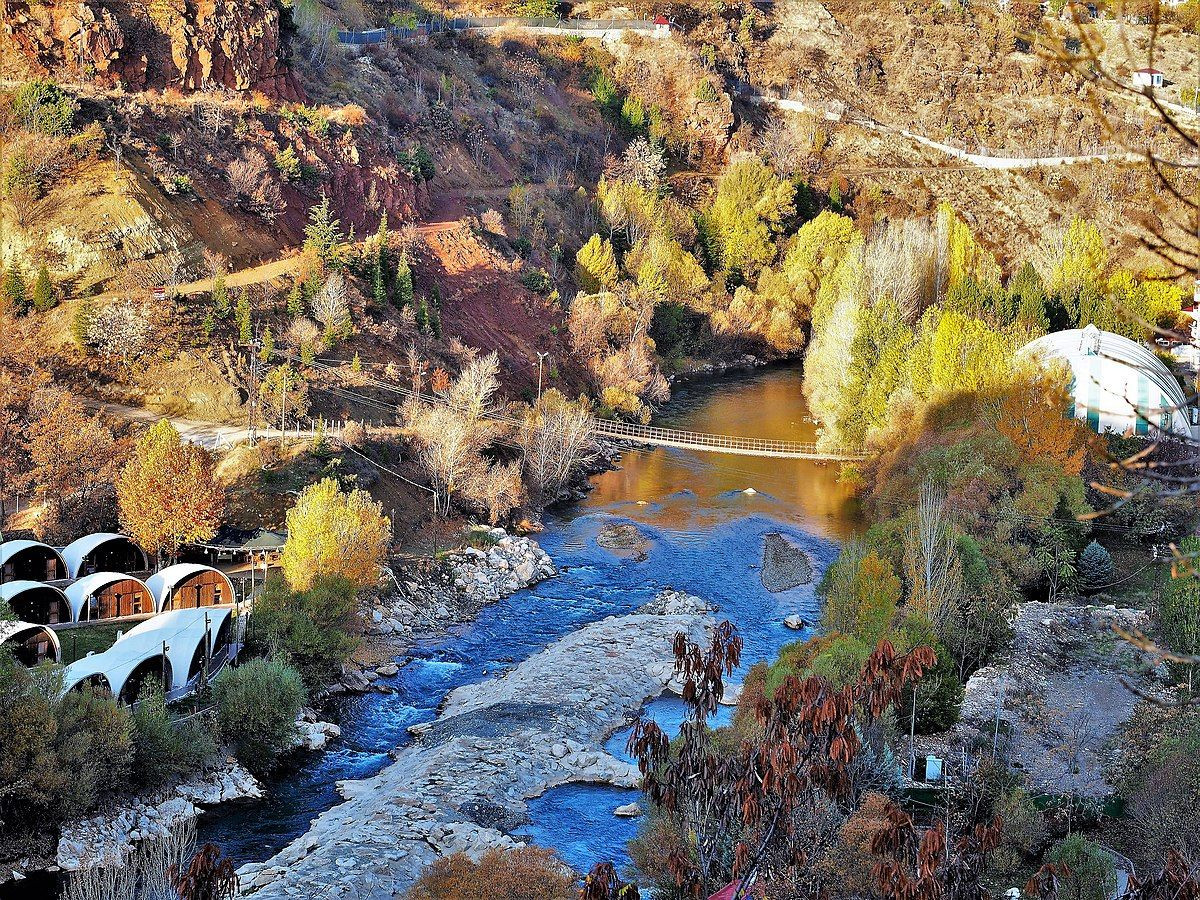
{"x": 1095, "y": 567}
{"x": 257, "y": 704}
{"x": 537, "y": 280}
{"x": 1092, "y": 873}
{"x": 288, "y": 164}
{"x": 57, "y": 754}
{"x": 314, "y": 629}
{"x": 42, "y": 106}
{"x": 166, "y": 746}
{"x": 706, "y": 93}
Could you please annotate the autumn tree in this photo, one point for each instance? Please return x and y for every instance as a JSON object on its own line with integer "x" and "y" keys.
{"x": 207, "y": 877}
{"x": 595, "y": 265}
{"x": 558, "y": 438}
{"x": 525, "y": 872}
{"x": 331, "y": 532}
{"x": 745, "y": 811}
{"x": 72, "y": 457}
{"x": 284, "y": 395}
{"x": 167, "y": 493}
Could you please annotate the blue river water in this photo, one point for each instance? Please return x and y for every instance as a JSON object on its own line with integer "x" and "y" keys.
{"x": 704, "y": 534}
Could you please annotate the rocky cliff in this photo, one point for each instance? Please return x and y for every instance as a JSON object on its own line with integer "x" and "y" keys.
{"x": 240, "y": 45}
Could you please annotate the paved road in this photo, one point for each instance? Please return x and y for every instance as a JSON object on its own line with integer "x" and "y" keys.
{"x": 980, "y": 160}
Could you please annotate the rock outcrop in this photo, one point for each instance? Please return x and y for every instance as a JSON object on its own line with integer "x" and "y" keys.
{"x": 463, "y": 583}
{"x": 496, "y": 744}
{"x": 239, "y": 45}
{"x": 106, "y": 839}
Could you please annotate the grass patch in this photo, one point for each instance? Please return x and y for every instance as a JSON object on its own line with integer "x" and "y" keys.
{"x": 79, "y": 642}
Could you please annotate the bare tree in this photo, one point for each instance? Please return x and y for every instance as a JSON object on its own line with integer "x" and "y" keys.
{"x": 331, "y": 306}
{"x": 558, "y": 438}
{"x": 120, "y": 330}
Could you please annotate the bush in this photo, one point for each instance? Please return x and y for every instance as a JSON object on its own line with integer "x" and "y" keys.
{"x": 524, "y": 872}
{"x": 288, "y": 164}
{"x": 166, "y": 746}
{"x": 57, "y": 754}
{"x": 1092, "y": 874}
{"x": 42, "y": 106}
{"x": 257, "y": 704}
{"x": 312, "y": 628}
{"x": 1095, "y": 567}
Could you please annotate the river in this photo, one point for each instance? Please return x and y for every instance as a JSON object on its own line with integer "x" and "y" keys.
{"x": 704, "y": 535}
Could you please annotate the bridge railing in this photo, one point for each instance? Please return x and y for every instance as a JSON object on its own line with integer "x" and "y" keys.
{"x": 651, "y": 434}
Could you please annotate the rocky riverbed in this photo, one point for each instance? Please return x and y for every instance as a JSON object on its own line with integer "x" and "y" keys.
{"x": 431, "y": 595}
{"x": 495, "y": 745}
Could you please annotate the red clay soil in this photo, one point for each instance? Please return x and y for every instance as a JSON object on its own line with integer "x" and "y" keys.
{"x": 485, "y": 306}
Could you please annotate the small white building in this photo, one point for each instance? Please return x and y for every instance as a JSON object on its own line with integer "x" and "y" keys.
{"x": 1118, "y": 385}
{"x": 1151, "y": 78}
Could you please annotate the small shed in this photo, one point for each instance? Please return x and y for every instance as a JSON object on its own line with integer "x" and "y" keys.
{"x": 190, "y": 586}
{"x": 108, "y": 595}
{"x": 103, "y": 552}
{"x": 30, "y": 642}
{"x": 30, "y": 560}
{"x": 240, "y": 546}
{"x": 33, "y": 601}
{"x": 1151, "y": 78}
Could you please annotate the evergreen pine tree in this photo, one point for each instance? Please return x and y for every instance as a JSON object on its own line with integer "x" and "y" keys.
{"x": 13, "y": 294}
{"x": 379, "y": 265}
{"x": 295, "y": 301}
{"x": 356, "y": 365}
{"x": 404, "y": 283}
{"x": 268, "y": 345}
{"x": 323, "y": 233}
{"x": 220, "y": 296}
{"x": 43, "y": 290}
{"x": 422, "y": 317}
{"x": 207, "y": 324}
{"x": 435, "y": 323}
{"x": 82, "y": 321}
{"x": 1095, "y": 567}
{"x": 306, "y": 354}
{"x": 245, "y": 331}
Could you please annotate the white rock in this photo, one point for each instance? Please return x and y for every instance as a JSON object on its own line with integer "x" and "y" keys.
{"x": 628, "y": 811}
{"x": 794, "y": 622}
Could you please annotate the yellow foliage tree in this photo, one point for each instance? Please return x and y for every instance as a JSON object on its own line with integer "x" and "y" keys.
{"x": 748, "y": 210}
{"x": 334, "y": 533}
{"x": 595, "y": 265}
{"x": 167, "y": 494}
{"x": 1082, "y": 261}
{"x": 965, "y": 258}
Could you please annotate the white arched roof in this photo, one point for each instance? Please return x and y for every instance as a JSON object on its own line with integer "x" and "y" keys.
{"x": 1078, "y": 346}
{"x": 76, "y": 552}
{"x": 77, "y": 592}
{"x": 164, "y": 582}
{"x": 182, "y": 630}
{"x": 11, "y": 629}
{"x": 10, "y": 590}
{"x": 9, "y": 549}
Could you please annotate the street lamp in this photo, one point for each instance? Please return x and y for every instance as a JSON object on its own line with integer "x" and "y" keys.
{"x": 541, "y": 356}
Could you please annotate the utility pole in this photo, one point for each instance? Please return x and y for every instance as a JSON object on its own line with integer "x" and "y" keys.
{"x": 541, "y": 357}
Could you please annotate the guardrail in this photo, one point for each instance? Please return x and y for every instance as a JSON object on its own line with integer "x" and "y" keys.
{"x": 375, "y": 36}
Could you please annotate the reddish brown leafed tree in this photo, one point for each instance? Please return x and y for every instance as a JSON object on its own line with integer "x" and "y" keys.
{"x": 207, "y": 877}
{"x": 742, "y": 808}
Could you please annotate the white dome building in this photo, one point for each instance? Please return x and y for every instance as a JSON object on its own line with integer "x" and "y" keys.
{"x": 1118, "y": 385}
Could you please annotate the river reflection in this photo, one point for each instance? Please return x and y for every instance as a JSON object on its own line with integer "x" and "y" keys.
{"x": 685, "y": 490}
